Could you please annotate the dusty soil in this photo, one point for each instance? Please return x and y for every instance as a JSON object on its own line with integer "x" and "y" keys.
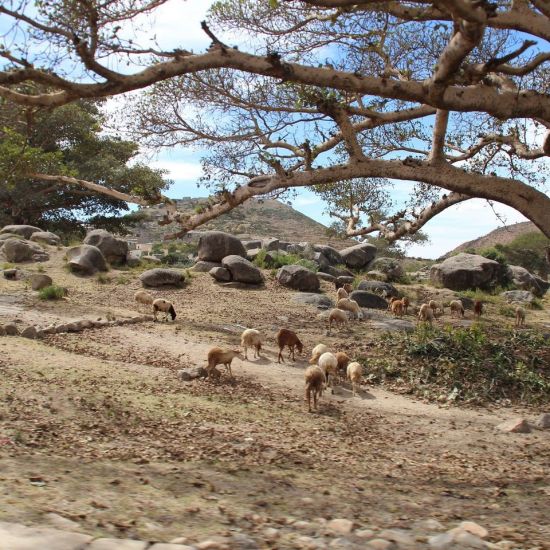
{"x": 97, "y": 426}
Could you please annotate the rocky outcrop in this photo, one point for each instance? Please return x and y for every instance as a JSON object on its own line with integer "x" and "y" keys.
{"x": 525, "y": 280}
{"x": 242, "y": 271}
{"x": 86, "y": 259}
{"x": 221, "y": 274}
{"x": 390, "y": 267}
{"x": 332, "y": 255}
{"x": 21, "y": 250}
{"x": 468, "y": 271}
{"x": 359, "y": 255}
{"x": 271, "y": 243}
{"x": 204, "y": 267}
{"x": 368, "y": 299}
{"x": 159, "y": 277}
{"x": 298, "y": 278}
{"x": 320, "y": 301}
{"x": 24, "y": 231}
{"x": 518, "y": 296}
{"x": 214, "y": 246}
{"x": 378, "y": 287}
{"x": 114, "y": 250}
{"x": 40, "y": 280}
{"x": 46, "y": 237}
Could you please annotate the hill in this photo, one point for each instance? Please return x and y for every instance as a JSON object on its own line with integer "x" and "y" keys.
{"x": 502, "y": 235}
{"x": 252, "y": 220}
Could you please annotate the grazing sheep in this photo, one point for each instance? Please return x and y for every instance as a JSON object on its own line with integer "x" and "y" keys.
{"x": 160, "y": 304}
{"x": 391, "y": 301}
{"x": 426, "y": 313}
{"x": 456, "y": 306}
{"x": 436, "y": 306}
{"x": 341, "y": 293}
{"x": 406, "y": 303}
{"x": 218, "y": 356}
{"x": 314, "y": 385}
{"x": 355, "y": 374}
{"x": 288, "y": 338}
{"x": 350, "y": 305}
{"x": 520, "y": 316}
{"x": 143, "y": 297}
{"x": 346, "y": 286}
{"x": 329, "y": 365}
{"x": 251, "y": 338}
{"x": 343, "y": 360}
{"x": 316, "y": 352}
{"x": 339, "y": 316}
{"x": 478, "y": 308}
{"x": 397, "y": 308}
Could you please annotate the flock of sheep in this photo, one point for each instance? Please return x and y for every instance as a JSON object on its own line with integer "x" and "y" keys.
{"x": 325, "y": 365}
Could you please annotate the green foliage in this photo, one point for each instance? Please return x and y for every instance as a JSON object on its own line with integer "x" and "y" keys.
{"x": 493, "y": 253}
{"x": 122, "y": 280}
{"x": 103, "y": 279}
{"x": 52, "y": 292}
{"x": 264, "y": 261}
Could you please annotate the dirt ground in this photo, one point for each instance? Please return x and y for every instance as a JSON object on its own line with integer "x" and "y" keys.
{"x": 98, "y": 428}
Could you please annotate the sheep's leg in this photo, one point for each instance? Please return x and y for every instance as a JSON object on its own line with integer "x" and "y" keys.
{"x": 315, "y": 399}
{"x": 228, "y": 367}
{"x": 308, "y": 399}
{"x": 291, "y": 351}
{"x": 245, "y": 353}
{"x": 280, "y": 356}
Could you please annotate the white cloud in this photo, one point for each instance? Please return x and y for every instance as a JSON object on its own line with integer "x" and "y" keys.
{"x": 179, "y": 170}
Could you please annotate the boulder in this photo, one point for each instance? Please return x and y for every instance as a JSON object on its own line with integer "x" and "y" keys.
{"x": 46, "y": 237}
{"x": 320, "y": 301}
{"x": 160, "y": 276}
{"x": 468, "y": 271}
{"x": 283, "y": 245}
{"x": 29, "y": 332}
{"x": 114, "y": 250}
{"x": 21, "y": 250}
{"x": 543, "y": 421}
{"x": 377, "y": 275}
{"x": 345, "y": 279}
{"x": 331, "y": 254}
{"x": 214, "y": 246}
{"x": 24, "y": 231}
{"x": 527, "y": 281}
{"x": 517, "y": 425}
{"x": 321, "y": 260}
{"x": 151, "y": 259}
{"x": 359, "y": 255}
{"x": 298, "y": 278}
{"x": 251, "y": 245}
{"x": 40, "y": 280}
{"x": 220, "y": 274}
{"x": 242, "y": 271}
{"x": 390, "y": 267}
{"x": 271, "y": 243}
{"x": 368, "y": 299}
{"x": 326, "y": 276}
{"x": 11, "y": 329}
{"x": 5, "y": 236}
{"x": 251, "y": 253}
{"x": 13, "y": 274}
{"x": 378, "y": 287}
{"x": 86, "y": 259}
{"x": 518, "y": 296}
{"x": 204, "y": 267}
{"x": 2, "y": 330}
{"x": 191, "y": 373}
{"x": 338, "y": 272}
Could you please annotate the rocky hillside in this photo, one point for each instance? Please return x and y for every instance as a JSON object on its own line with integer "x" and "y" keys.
{"x": 501, "y": 235}
{"x": 252, "y": 220}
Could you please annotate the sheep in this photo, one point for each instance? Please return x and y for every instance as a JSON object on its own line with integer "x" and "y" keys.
{"x": 436, "y": 306}
{"x": 355, "y": 374}
{"x": 341, "y": 293}
{"x": 160, "y": 304}
{"x": 329, "y": 365}
{"x": 397, "y": 308}
{"x": 316, "y": 352}
{"x": 350, "y": 305}
{"x": 406, "y": 303}
{"x": 217, "y": 356}
{"x": 288, "y": 338}
{"x": 426, "y": 313}
{"x": 251, "y": 338}
{"x": 520, "y": 316}
{"x": 314, "y": 377}
{"x": 339, "y": 316}
{"x": 456, "y": 306}
{"x": 143, "y": 297}
{"x": 346, "y": 286}
{"x": 343, "y": 360}
{"x": 391, "y": 301}
{"x": 478, "y": 308}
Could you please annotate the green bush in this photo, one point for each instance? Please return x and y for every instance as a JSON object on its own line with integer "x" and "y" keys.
{"x": 52, "y": 292}
{"x": 493, "y": 254}
{"x": 279, "y": 260}
{"x": 102, "y": 279}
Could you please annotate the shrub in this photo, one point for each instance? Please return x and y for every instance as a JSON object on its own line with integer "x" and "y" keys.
{"x": 52, "y": 292}
{"x": 102, "y": 279}
{"x": 494, "y": 254}
{"x": 276, "y": 260}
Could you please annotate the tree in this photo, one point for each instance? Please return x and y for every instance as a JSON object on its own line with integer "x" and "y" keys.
{"x": 67, "y": 141}
{"x": 445, "y": 93}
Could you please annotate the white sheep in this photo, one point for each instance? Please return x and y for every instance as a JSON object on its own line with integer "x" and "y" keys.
{"x": 160, "y": 304}
{"x": 341, "y": 293}
{"x": 143, "y": 297}
{"x": 426, "y": 313}
{"x": 436, "y": 306}
{"x": 251, "y": 338}
{"x": 350, "y": 305}
{"x": 329, "y": 365}
{"x": 338, "y": 316}
{"x": 218, "y": 356}
{"x": 355, "y": 374}
{"x": 316, "y": 352}
{"x": 456, "y": 306}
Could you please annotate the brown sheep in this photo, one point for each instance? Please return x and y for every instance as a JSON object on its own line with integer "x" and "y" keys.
{"x": 397, "y": 308}
{"x": 288, "y": 338}
{"x": 520, "y": 316}
{"x": 406, "y": 303}
{"x": 436, "y": 306}
{"x": 315, "y": 379}
{"x": 478, "y": 309}
{"x": 426, "y": 313}
{"x": 218, "y": 356}
{"x": 343, "y": 361}
{"x": 355, "y": 374}
{"x": 391, "y": 301}
{"x": 341, "y": 293}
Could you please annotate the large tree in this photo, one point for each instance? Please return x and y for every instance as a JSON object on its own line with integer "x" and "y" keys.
{"x": 67, "y": 142}
{"x": 451, "y": 94}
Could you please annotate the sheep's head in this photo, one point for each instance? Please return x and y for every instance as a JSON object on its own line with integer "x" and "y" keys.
{"x": 299, "y": 347}
{"x": 172, "y": 312}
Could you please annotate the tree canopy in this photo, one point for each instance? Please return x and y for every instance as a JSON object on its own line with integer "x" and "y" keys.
{"x": 67, "y": 142}
{"x": 449, "y": 94}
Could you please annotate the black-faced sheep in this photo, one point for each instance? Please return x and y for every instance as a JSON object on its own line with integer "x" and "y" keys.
{"x": 160, "y": 304}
